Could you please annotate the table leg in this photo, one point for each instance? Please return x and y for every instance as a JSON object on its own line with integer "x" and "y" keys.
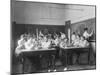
{"x": 66, "y": 60}
{"x": 23, "y": 65}
{"x": 89, "y": 53}
{"x": 53, "y": 62}
{"x": 78, "y": 56}
{"x": 49, "y": 63}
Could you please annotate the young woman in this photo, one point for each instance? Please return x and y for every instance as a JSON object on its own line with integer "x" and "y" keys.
{"x": 86, "y": 34}
{"x": 83, "y": 42}
{"x": 77, "y": 41}
{"x": 73, "y": 37}
{"x": 21, "y": 44}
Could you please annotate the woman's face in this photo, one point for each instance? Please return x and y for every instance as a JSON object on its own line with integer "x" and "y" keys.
{"x": 86, "y": 31}
{"x": 77, "y": 37}
{"x": 82, "y": 38}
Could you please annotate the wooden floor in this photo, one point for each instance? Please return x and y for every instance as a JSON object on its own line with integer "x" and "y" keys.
{"x": 69, "y": 68}
{"x": 72, "y": 68}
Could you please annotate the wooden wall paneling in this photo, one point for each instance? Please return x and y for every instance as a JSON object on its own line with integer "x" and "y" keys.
{"x": 79, "y": 26}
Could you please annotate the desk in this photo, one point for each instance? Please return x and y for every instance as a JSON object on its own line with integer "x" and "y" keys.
{"x": 53, "y": 51}
{"x": 39, "y": 52}
{"x": 76, "y": 50}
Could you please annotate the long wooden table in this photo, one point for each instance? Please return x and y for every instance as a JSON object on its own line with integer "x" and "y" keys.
{"x": 39, "y": 52}
{"x": 77, "y": 50}
{"x": 53, "y": 51}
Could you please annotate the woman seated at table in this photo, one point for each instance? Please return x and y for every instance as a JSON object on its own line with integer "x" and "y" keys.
{"x": 86, "y": 34}
{"x": 83, "y": 42}
{"x": 80, "y": 42}
{"x": 29, "y": 43}
{"x": 41, "y": 34}
{"x": 62, "y": 35}
{"x": 45, "y": 43}
{"x": 21, "y": 44}
{"x": 73, "y": 37}
{"x": 63, "y": 43}
{"x": 56, "y": 40}
{"x": 76, "y": 42}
